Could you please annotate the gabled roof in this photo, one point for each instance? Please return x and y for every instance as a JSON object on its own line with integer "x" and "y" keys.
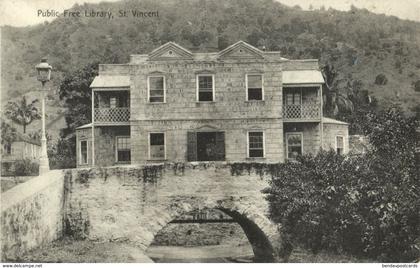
{"x": 303, "y": 77}
{"x": 85, "y": 126}
{"x": 104, "y": 81}
{"x": 327, "y": 120}
{"x": 170, "y": 50}
{"x": 241, "y": 44}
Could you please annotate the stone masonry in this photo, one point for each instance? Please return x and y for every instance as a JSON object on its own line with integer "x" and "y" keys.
{"x": 133, "y": 204}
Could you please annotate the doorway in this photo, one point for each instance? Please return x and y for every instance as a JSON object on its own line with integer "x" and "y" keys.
{"x": 210, "y": 146}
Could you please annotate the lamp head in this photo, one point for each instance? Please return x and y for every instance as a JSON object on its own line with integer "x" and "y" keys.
{"x": 43, "y": 71}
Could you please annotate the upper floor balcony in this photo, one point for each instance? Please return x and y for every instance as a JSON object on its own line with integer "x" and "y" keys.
{"x": 301, "y": 111}
{"x": 112, "y": 107}
{"x": 112, "y": 115}
{"x": 301, "y": 104}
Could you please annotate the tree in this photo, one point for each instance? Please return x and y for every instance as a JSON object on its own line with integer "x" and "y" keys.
{"x": 335, "y": 101}
{"x": 8, "y": 133}
{"x": 76, "y": 93}
{"x": 22, "y": 112}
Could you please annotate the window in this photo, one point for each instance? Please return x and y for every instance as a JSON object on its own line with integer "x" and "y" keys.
{"x": 256, "y": 144}
{"x": 294, "y": 145}
{"x": 7, "y": 148}
{"x": 83, "y": 152}
{"x": 254, "y": 87}
{"x": 205, "y": 88}
{"x": 113, "y": 102}
{"x": 339, "y": 145}
{"x": 293, "y": 98}
{"x": 157, "y": 146}
{"x": 156, "y": 85}
{"x": 123, "y": 149}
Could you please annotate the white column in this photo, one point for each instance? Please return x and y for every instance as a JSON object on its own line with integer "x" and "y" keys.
{"x": 321, "y": 124}
{"x": 44, "y": 165}
{"x": 93, "y": 128}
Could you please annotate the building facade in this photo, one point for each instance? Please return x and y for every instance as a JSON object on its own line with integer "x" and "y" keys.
{"x": 240, "y": 104}
{"x": 22, "y": 148}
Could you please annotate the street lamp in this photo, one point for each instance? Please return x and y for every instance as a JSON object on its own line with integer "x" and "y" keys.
{"x": 44, "y": 75}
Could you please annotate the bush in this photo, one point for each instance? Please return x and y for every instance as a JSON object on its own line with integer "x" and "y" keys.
{"x": 417, "y": 86}
{"x": 62, "y": 154}
{"x": 26, "y": 167}
{"x": 366, "y": 206}
{"x": 381, "y": 80}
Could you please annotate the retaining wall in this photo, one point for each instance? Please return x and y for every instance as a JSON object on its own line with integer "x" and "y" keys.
{"x": 31, "y": 214}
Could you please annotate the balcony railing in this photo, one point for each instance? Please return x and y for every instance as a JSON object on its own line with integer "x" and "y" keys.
{"x": 301, "y": 111}
{"x": 112, "y": 115}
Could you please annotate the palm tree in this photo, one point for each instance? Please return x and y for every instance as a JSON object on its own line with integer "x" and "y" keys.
{"x": 22, "y": 112}
{"x": 335, "y": 101}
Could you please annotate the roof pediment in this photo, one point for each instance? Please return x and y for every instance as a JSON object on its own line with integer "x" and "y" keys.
{"x": 170, "y": 51}
{"x": 240, "y": 50}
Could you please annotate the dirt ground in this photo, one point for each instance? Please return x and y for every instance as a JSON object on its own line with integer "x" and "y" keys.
{"x": 70, "y": 251}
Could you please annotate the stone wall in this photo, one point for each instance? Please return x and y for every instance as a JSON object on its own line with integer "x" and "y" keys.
{"x": 134, "y": 203}
{"x": 200, "y": 234}
{"x": 31, "y": 214}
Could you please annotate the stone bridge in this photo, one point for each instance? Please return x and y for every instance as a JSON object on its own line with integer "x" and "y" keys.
{"x": 133, "y": 203}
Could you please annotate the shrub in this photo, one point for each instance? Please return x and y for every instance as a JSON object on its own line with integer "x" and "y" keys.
{"x": 361, "y": 205}
{"x": 26, "y": 167}
{"x": 417, "y": 86}
{"x": 381, "y": 80}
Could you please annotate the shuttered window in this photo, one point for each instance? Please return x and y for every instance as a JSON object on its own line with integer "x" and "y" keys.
{"x": 206, "y": 146}
{"x": 192, "y": 146}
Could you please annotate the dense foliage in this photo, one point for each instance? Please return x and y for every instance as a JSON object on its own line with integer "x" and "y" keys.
{"x": 361, "y": 205}
{"x": 8, "y": 133}
{"x": 26, "y": 167}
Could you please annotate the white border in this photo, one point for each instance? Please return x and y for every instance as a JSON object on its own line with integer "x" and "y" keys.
{"x": 344, "y": 144}
{"x": 80, "y": 152}
{"x": 247, "y": 142}
{"x": 262, "y": 86}
{"x": 116, "y": 148}
{"x": 287, "y": 143}
{"x": 148, "y": 88}
{"x": 213, "y": 87}
{"x": 164, "y": 141}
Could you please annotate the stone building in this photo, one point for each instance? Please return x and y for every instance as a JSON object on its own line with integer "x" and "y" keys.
{"x": 238, "y": 104}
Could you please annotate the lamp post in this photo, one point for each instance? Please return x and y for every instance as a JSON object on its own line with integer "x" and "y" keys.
{"x": 43, "y": 75}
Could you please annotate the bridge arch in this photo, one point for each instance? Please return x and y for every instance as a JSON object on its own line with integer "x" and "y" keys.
{"x": 134, "y": 203}
{"x": 260, "y": 231}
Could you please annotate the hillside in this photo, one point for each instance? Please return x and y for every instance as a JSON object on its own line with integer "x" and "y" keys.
{"x": 360, "y": 44}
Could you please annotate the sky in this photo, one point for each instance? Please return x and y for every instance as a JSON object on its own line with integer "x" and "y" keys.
{"x": 24, "y": 12}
